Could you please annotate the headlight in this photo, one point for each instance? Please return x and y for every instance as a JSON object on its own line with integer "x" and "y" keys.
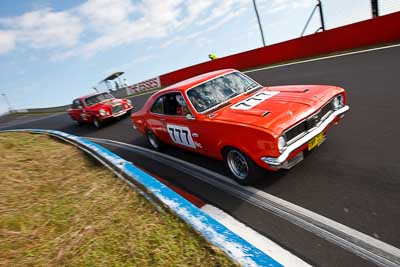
{"x": 102, "y": 112}
{"x": 129, "y": 102}
{"x": 337, "y": 102}
{"x": 281, "y": 143}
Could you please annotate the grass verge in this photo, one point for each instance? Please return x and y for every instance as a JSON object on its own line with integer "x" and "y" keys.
{"x": 60, "y": 207}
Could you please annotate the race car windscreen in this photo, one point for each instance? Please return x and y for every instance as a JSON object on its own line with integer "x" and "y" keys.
{"x": 98, "y": 98}
{"x": 219, "y": 90}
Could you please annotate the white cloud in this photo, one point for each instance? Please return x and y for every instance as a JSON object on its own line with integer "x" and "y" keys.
{"x": 224, "y": 8}
{"x": 276, "y": 6}
{"x": 155, "y": 20}
{"x": 195, "y": 10}
{"x": 215, "y": 18}
{"x": 106, "y": 14}
{"x": 112, "y": 23}
{"x": 45, "y": 28}
{"x": 7, "y": 41}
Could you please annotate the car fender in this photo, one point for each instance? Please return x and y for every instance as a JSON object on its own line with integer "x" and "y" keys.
{"x": 258, "y": 142}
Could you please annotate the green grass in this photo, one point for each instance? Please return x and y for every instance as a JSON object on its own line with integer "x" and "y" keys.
{"x": 60, "y": 208}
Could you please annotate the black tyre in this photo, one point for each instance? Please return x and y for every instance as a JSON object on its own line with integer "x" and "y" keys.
{"x": 97, "y": 123}
{"x": 155, "y": 143}
{"x": 241, "y": 167}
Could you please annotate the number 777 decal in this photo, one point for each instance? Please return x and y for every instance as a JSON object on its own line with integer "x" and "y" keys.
{"x": 254, "y": 100}
{"x": 180, "y": 135}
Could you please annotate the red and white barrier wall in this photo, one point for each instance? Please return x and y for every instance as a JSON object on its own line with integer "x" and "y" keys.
{"x": 380, "y": 30}
{"x": 143, "y": 86}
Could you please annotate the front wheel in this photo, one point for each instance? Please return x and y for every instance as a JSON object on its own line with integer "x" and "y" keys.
{"x": 241, "y": 167}
{"x": 96, "y": 123}
{"x": 155, "y": 143}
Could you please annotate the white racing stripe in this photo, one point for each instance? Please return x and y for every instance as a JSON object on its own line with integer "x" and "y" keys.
{"x": 322, "y": 58}
{"x": 259, "y": 241}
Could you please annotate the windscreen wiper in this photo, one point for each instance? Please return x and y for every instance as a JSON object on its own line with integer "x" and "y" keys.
{"x": 224, "y": 104}
{"x": 258, "y": 87}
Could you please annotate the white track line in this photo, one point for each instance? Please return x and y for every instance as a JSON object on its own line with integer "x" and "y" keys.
{"x": 259, "y": 241}
{"x": 332, "y": 230}
{"x": 326, "y": 57}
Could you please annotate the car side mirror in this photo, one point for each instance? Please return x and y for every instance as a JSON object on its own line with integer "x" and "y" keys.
{"x": 190, "y": 117}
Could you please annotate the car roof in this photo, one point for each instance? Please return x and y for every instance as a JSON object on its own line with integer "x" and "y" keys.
{"x": 89, "y": 95}
{"x": 191, "y": 82}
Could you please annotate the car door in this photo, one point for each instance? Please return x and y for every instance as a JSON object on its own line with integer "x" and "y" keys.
{"x": 156, "y": 119}
{"x": 75, "y": 111}
{"x": 83, "y": 112}
{"x": 181, "y": 126}
{"x": 184, "y": 133}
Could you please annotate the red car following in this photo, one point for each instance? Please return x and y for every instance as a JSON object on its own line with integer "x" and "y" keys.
{"x": 98, "y": 108}
{"x": 226, "y": 115}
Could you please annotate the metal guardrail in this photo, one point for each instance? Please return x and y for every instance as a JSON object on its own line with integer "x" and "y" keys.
{"x": 159, "y": 194}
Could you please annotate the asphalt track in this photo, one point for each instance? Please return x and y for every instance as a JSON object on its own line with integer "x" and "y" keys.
{"x": 353, "y": 178}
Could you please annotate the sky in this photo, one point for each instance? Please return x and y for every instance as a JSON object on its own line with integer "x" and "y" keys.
{"x": 54, "y": 51}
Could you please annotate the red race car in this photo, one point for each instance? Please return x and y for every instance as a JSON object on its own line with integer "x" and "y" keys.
{"x": 98, "y": 108}
{"x": 228, "y": 116}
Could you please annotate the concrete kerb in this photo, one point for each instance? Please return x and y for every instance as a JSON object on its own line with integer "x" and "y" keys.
{"x": 234, "y": 246}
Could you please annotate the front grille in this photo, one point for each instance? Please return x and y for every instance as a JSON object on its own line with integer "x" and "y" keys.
{"x": 116, "y": 109}
{"x": 325, "y": 110}
{"x": 311, "y": 122}
{"x": 296, "y": 131}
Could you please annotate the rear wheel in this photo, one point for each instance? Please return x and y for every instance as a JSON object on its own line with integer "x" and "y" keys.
{"x": 241, "y": 167}
{"x": 97, "y": 123}
{"x": 155, "y": 143}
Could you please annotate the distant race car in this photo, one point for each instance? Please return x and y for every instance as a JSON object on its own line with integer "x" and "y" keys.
{"x": 226, "y": 115}
{"x": 98, "y": 108}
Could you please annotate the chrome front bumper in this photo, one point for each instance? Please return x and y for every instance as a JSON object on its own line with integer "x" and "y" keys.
{"x": 119, "y": 113}
{"x": 114, "y": 115}
{"x": 279, "y": 161}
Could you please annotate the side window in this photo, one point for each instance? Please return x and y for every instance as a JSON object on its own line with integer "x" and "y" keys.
{"x": 76, "y": 103}
{"x": 175, "y": 105}
{"x": 158, "y": 106}
{"x": 171, "y": 104}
